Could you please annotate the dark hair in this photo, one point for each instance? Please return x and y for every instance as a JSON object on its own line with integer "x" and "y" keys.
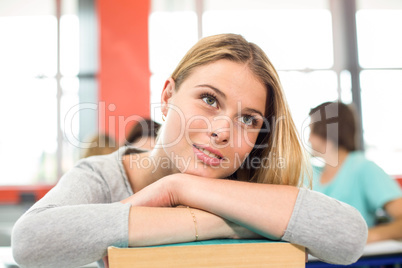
{"x": 332, "y": 113}
{"x": 144, "y": 128}
{"x": 100, "y": 144}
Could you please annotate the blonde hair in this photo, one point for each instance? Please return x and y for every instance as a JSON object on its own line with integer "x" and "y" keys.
{"x": 282, "y": 141}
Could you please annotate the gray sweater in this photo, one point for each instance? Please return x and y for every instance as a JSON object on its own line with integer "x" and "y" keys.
{"x": 81, "y": 216}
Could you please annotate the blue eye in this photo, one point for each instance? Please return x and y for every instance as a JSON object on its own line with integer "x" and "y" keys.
{"x": 210, "y": 100}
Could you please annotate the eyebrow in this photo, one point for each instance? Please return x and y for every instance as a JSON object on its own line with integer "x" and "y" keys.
{"x": 219, "y": 92}
{"x": 250, "y": 110}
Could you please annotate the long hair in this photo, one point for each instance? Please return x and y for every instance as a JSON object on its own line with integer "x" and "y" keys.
{"x": 278, "y": 146}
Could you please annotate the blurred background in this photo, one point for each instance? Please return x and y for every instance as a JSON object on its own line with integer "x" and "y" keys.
{"x": 70, "y": 69}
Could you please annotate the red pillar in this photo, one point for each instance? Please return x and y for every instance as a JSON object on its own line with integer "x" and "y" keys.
{"x": 124, "y": 87}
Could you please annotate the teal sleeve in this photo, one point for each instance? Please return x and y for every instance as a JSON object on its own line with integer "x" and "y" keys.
{"x": 380, "y": 188}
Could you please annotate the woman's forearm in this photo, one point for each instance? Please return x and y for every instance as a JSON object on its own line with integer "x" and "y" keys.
{"x": 330, "y": 230}
{"x": 155, "y": 226}
{"x": 299, "y": 216}
{"x": 265, "y": 209}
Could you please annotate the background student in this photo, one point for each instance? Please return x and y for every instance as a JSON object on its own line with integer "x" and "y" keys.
{"x": 348, "y": 175}
{"x": 143, "y": 134}
{"x": 100, "y": 144}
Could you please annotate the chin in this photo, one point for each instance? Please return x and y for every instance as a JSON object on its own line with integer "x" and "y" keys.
{"x": 206, "y": 172}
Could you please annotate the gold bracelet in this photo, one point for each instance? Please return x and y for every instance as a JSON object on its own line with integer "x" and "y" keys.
{"x": 195, "y": 223}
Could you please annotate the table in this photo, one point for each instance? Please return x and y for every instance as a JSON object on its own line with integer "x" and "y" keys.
{"x": 388, "y": 252}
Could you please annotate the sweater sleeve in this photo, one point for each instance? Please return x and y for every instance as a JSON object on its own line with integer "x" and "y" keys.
{"x": 75, "y": 222}
{"x": 329, "y": 229}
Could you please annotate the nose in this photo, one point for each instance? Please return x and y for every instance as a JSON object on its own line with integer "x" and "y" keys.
{"x": 220, "y": 130}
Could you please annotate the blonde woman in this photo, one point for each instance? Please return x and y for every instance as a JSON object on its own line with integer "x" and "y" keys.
{"x": 228, "y": 149}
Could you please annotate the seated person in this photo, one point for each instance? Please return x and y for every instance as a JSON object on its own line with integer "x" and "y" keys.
{"x": 115, "y": 200}
{"x": 100, "y": 144}
{"x": 143, "y": 134}
{"x": 348, "y": 175}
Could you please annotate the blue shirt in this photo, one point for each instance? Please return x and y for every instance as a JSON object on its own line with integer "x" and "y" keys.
{"x": 360, "y": 183}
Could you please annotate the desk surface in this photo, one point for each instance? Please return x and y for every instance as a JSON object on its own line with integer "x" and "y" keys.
{"x": 374, "y": 254}
{"x": 383, "y": 248}
{"x": 386, "y": 247}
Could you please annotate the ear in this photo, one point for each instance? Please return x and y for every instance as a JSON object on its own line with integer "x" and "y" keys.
{"x": 167, "y": 94}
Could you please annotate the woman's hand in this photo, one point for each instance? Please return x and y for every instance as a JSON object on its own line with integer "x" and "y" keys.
{"x": 158, "y": 194}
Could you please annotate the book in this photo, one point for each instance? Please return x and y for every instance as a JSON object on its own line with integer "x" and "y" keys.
{"x": 211, "y": 253}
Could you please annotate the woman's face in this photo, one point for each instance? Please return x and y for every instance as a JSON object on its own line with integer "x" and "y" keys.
{"x": 213, "y": 119}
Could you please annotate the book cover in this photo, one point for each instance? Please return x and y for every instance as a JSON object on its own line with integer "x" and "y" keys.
{"x": 211, "y": 253}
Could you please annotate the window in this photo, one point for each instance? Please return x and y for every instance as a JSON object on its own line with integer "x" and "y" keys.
{"x": 29, "y": 94}
{"x": 297, "y": 39}
{"x": 380, "y": 57}
{"x": 172, "y": 31}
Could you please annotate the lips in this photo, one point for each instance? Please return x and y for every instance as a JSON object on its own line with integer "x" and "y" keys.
{"x": 208, "y": 155}
{"x": 209, "y": 151}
